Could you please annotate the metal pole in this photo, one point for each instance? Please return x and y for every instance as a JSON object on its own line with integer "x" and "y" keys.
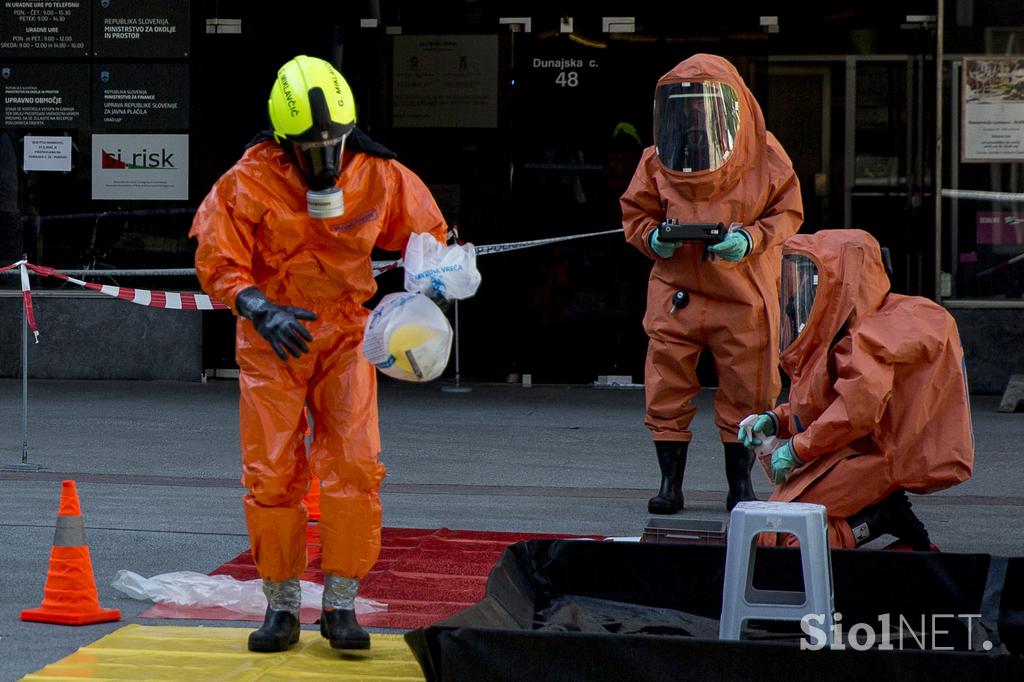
{"x": 458, "y": 387}
{"x": 937, "y": 255}
{"x": 954, "y": 174}
{"x": 850, "y": 140}
{"x": 24, "y": 464}
{"x": 24, "y": 385}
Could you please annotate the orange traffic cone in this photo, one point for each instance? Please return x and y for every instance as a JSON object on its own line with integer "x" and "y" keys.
{"x": 69, "y": 597}
{"x": 312, "y": 499}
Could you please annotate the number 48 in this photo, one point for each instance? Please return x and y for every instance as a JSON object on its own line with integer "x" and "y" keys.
{"x": 568, "y": 79}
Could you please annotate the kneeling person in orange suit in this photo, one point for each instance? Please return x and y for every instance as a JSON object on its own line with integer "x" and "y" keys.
{"x": 878, "y": 403}
{"x": 285, "y": 238}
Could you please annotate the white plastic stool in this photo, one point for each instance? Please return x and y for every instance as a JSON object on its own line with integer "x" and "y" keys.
{"x": 741, "y": 601}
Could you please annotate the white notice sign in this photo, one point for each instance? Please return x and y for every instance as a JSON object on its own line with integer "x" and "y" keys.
{"x": 47, "y": 153}
{"x": 140, "y": 167}
{"x": 445, "y": 81}
{"x": 993, "y": 109}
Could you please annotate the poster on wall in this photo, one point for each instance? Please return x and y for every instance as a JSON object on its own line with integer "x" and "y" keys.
{"x": 146, "y": 167}
{"x": 44, "y": 28}
{"x": 140, "y": 96}
{"x": 47, "y": 153}
{"x": 44, "y": 95}
{"x": 445, "y": 81}
{"x": 992, "y": 109}
{"x": 140, "y": 29}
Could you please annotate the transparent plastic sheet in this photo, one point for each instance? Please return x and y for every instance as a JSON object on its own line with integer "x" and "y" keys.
{"x": 188, "y": 588}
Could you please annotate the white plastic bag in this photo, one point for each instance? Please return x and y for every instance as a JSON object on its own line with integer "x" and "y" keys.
{"x": 408, "y": 337}
{"x": 439, "y": 271}
{"x": 188, "y": 588}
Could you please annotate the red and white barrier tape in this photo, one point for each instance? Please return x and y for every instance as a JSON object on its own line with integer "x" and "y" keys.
{"x": 171, "y": 300}
{"x": 26, "y": 295}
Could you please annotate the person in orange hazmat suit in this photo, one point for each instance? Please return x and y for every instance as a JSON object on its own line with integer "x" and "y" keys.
{"x": 285, "y": 238}
{"x": 713, "y": 162}
{"x": 878, "y": 403}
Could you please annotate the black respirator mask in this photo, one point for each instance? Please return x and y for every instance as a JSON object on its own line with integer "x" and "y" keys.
{"x": 320, "y": 165}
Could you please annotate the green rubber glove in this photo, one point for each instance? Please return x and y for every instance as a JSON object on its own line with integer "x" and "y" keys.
{"x": 663, "y": 249}
{"x": 784, "y": 460}
{"x": 755, "y": 427}
{"x": 733, "y": 248}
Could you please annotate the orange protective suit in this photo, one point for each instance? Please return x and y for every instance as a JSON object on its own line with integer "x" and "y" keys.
{"x": 253, "y": 230}
{"x": 734, "y": 307}
{"x": 879, "y": 398}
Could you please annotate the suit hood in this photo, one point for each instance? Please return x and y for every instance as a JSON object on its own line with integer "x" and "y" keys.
{"x": 752, "y": 139}
{"x": 852, "y": 286}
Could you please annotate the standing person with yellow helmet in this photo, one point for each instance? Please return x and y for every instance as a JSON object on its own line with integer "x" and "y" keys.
{"x": 285, "y": 238}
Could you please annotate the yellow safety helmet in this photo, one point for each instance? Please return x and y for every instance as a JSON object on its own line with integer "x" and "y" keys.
{"x": 312, "y": 110}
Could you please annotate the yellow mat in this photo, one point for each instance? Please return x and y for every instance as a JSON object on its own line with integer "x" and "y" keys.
{"x": 200, "y": 654}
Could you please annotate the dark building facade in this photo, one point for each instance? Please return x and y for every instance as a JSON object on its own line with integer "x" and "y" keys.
{"x": 526, "y": 119}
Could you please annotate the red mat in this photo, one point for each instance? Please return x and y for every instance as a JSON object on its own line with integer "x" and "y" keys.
{"x": 422, "y": 575}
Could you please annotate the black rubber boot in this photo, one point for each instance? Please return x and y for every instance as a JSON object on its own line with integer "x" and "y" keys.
{"x": 892, "y": 516}
{"x": 341, "y": 628}
{"x": 738, "y": 462}
{"x": 672, "y": 462}
{"x": 279, "y": 631}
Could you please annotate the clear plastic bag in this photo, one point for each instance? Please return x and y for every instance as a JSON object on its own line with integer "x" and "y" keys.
{"x": 408, "y": 337}
{"x": 188, "y": 588}
{"x": 439, "y": 271}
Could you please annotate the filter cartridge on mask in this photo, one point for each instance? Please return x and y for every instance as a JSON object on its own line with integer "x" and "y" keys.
{"x": 325, "y": 203}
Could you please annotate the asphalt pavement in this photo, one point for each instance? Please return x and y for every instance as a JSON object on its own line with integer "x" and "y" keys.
{"x": 157, "y": 471}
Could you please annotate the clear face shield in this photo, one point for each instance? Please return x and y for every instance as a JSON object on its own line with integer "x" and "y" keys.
{"x": 798, "y": 286}
{"x": 695, "y": 125}
{"x": 320, "y": 164}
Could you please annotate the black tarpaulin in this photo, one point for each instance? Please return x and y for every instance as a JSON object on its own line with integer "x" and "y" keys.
{"x": 582, "y": 610}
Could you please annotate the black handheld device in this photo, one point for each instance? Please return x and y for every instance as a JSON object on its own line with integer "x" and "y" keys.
{"x": 671, "y": 231}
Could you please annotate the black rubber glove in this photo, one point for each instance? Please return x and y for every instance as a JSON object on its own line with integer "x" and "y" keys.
{"x": 279, "y": 325}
